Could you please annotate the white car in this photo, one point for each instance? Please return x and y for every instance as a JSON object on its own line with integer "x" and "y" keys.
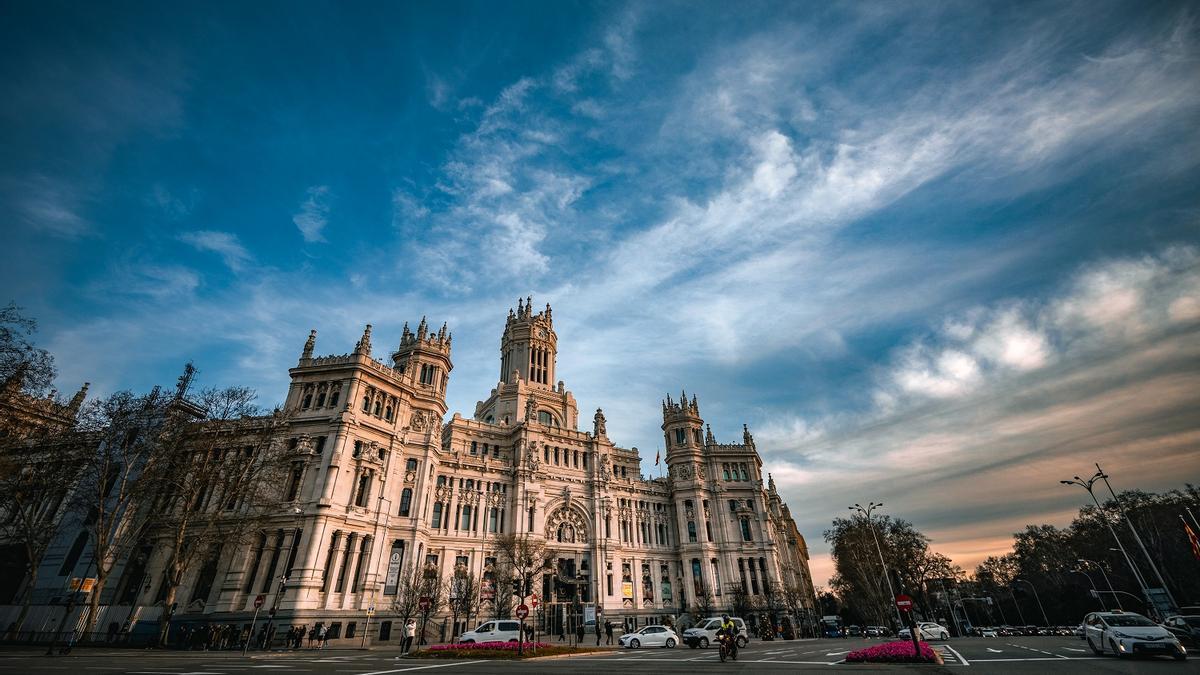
{"x": 705, "y": 633}
{"x": 929, "y": 631}
{"x": 1129, "y": 634}
{"x": 650, "y": 636}
{"x": 493, "y": 631}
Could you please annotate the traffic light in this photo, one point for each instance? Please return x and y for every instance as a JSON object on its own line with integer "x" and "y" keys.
{"x": 516, "y": 587}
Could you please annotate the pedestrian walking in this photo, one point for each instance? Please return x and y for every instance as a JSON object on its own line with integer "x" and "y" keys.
{"x": 322, "y": 637}
{"x": 608, "y": 631}
{"x": 597, "y": 632}
{"x": 300, "y": 636}
{"x": 410, "y": 630}
{"x": 312, "y": 637}
{"x": 579, "y": 633}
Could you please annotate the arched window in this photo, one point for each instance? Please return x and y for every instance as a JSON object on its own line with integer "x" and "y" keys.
{"x": 388, "y": 413}
{"x": 405, "y": 501}
{"x": 378, "y": 408}
{"x": 333, "y": 398}
{"x": 321, "y": 400}
{"x": 307, "y": 401}
{"x": 546, "y": 419}
{"x": 366, "y": 404}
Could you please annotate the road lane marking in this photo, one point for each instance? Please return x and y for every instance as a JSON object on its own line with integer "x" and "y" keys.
{"x": 1072, "y": 649}
{"x": 994, "y": 651}
{"x": 439, "y": 665}
{"x": 960, "y": 657}
{"x": 1040, "y": 658}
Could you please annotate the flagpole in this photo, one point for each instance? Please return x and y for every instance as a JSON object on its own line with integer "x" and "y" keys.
{"x": 1193, "y": 517}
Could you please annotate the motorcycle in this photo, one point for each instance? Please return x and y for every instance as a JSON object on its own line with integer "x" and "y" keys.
{"x": 728, "y": 647}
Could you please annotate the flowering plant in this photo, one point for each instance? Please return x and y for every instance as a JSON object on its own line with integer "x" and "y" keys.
{"x": 503, "y": 646}
{"x": 893, "y": 652}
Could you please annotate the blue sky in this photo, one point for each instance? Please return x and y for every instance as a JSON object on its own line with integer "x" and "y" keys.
{"x": 933, "y": 253}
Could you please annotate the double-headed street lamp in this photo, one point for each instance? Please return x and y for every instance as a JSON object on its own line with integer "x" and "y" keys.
{"x": 1095, "y": 591}
{"x": 1087, "y": 485}
{"x": 866, "y": 514}
{"x": 1085, "y": 561}
{"x": 1038, "y": 598}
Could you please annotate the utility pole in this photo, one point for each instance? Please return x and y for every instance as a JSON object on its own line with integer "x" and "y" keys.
{"x": 1106, "y": 581}
{"x": 1039, "y": 600}
{"x": 1087, "y": 485}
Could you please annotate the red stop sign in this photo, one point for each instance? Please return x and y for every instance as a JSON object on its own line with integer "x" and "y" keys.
{"x": 424, "y": 603}
{"x": 259, "y": 600}
{"x": 522, "y": 612}
{"x": 904, "y": 602}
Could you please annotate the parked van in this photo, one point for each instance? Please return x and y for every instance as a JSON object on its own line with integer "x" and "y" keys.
{"x": 705, "y": 632}
{"x": 493, "y": 631}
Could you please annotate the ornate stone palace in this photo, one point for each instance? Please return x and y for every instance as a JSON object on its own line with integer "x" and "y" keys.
{"x": 389, "y": 482}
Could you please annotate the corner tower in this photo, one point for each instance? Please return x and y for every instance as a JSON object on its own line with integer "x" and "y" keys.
{"x": 529, "y": 346}
{"x": 683, "y": 429}
{"x": 423, "y": 358}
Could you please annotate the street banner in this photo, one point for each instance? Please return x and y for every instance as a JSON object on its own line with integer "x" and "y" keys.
{"x": 392, "y": 582}
{"x": 626, "y": 589}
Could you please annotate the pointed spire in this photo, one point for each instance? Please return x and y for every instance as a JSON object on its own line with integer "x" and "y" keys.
{"x": 746, "y": 437}
{"x": 442, "y": 333}
{"x": 520, "y": 307}
{"x": 77, "y": 400}
{"x": 309, "y": 345}
{"x": 363, "y": 346}
{"x": 771, "y": 483}
{"x": 548, "y": 311}
{"x": 695, "y": 405}
{"x": 422, "y": 329}
{"x": 529, "y": 306}
{"x": 708, "y": 435}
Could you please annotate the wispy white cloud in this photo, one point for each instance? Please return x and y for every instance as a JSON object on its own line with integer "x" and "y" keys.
{"x": 224, "y": 244}
{"x": 52, "y": 206}
{"x": 314, "y": 213}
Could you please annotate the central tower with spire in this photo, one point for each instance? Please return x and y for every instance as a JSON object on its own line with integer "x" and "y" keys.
{"x": 528, "y": 390}
{"x": 529, "y": 346}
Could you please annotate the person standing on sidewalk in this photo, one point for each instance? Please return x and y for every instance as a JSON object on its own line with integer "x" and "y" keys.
{"x": 410, "y": 631}
{"x": 608, "y": 631}
{"x": 597, "y": 632}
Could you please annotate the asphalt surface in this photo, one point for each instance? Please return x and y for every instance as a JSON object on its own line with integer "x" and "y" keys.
{"x": 994, "y": 655}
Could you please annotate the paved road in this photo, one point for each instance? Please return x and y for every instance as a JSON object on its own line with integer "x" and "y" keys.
{"x": 994, "y": 655}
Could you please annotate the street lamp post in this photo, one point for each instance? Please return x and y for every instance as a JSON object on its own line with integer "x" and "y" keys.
{"x": 1087, "y": 485}
{"x": 1016, "y": 604}
{"x": 866, "y": 514}
{"x": 1096, "y": 591}
{"x": 1105, "y": 575}
{"x": 1039, "y": 600}
{"x": 1136, "y": 537}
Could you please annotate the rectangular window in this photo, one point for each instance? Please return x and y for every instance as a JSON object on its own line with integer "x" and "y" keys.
{"x": 725, "y": 471}
{"x": 745, "y": 474}
{"x": 364, "y": 490}
{"x": 716, "y": 571}
{"x": 474, "y": 448}
{"x": 696, "y": 436}
{"x": 610, "y": 585}
{"x": 436, "y": 522}
{"x": 585, "y": 460}
{"x": 692, "y": 531}
{"x": 680, "y": 437}
{"x": 746, "y": 530}
{"x": 320, "y": 444}
{"x": 495, "y": 451}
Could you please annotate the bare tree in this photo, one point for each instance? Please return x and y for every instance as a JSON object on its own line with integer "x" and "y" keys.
{"x": 520, "y": 561}
{"x": 216, "y": 482}
{"x": 35, "y": 476}
{"x": 23, "y": 366}
{"x": 463, "y": 594}
{"x": 705, "y": 604}
{"x": 112, "y": 505}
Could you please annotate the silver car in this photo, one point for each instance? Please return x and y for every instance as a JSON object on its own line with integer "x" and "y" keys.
{"x": 1127, "y": 634}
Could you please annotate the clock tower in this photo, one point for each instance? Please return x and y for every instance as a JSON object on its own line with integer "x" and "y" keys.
{"x": 528, "y": 390}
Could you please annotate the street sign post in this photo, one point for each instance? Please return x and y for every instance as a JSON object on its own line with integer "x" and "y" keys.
{"x": 424, "y": 604}
{"x": 522, "y": 612}
{"x": 259, "y": 600}
{"x": 258, "y": 603}
{"x": 904, "y": 603}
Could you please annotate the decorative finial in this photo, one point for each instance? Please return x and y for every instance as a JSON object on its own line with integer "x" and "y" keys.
{"x": 708, "y": 435}
{"x": 309, "y": 345}
{"x": 363, "y": 346}
{"x": 770, "y": 482}
{"x": 746, "y": 437}
{"x": 77, "y": 400}
{"x": 422, "y": 329}
{"x": 185, "y": 380}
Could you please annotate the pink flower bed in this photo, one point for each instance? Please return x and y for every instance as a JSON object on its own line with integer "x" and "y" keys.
{"x": 893, "y": 652}
{"x": 508, "y": 646}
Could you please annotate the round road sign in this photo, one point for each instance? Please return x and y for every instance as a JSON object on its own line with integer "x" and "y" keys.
{"x": 904, "y": 602}
{"x": 259, "y": 600}
{"x": 522, "y": 612}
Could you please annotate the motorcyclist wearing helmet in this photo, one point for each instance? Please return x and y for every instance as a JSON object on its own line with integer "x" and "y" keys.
{"x": 728, "y": 632}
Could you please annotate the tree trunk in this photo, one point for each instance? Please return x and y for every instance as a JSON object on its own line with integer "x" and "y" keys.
{"x": 26, "y": 601}
{"x": 164, "y": 623}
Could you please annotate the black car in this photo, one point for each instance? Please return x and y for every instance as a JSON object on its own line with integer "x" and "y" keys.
{"x": 1186, "y": 629}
